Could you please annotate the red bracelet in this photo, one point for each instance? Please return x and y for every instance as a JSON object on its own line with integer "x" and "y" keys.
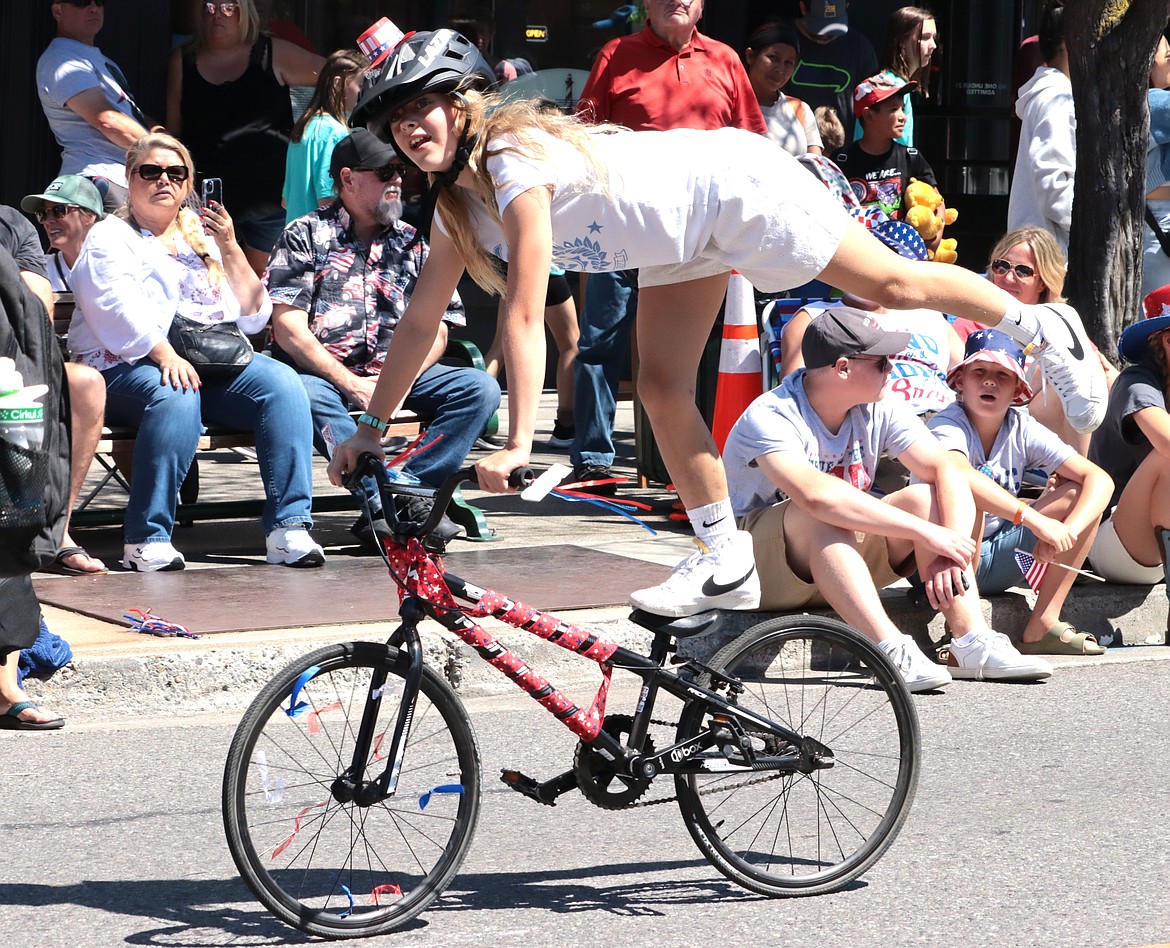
{"x": 1019, "y": 517}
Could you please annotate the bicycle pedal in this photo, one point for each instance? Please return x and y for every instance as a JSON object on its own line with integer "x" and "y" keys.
{"x": 545, "y": 793}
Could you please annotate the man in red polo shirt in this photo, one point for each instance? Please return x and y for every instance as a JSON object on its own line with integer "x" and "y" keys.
{"x": 668, "y": 75}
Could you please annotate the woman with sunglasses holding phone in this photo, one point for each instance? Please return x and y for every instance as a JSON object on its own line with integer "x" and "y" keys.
{"x": 130, "y": 278}
{"x": 1029, "y": 264}
{"x": 228, "y": 99}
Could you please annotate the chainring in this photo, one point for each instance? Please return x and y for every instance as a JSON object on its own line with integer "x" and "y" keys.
{"x": 597, "y": 776}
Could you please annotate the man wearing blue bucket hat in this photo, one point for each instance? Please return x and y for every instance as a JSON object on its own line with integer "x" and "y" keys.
{"x": 989, "y": 427}
{"x": 1133, "y": 445}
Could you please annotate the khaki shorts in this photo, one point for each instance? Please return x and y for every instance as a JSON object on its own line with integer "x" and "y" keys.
{"x": 1110, "y": 560}
{"x": 780, "y": 587}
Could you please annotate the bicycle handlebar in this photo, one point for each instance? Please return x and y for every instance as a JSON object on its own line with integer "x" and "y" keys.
{"x": 368, "y": 465}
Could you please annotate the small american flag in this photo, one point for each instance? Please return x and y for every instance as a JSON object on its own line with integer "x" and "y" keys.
{"x": 1033, "y": 570}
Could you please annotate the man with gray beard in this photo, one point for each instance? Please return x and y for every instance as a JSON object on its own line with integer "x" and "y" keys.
{"x": 340, "y": 279}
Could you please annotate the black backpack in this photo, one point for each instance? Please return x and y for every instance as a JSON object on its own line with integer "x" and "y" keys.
{"x": 34, "y": 483}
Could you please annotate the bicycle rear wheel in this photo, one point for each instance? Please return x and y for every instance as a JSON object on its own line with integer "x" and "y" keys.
{"x": 806, "y": 834}
{"x": 336, "y": 869}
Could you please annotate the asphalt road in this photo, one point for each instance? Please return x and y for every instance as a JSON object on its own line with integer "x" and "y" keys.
{"x": 1039, "y": 820}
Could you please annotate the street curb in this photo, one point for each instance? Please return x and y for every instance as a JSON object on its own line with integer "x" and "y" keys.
{"x": 219, "y": 675}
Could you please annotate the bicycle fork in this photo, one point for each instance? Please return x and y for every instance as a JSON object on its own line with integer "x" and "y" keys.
{"x": 349, "y": 786}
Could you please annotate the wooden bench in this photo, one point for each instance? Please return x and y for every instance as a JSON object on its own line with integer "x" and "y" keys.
{"x": 115, "y": 452}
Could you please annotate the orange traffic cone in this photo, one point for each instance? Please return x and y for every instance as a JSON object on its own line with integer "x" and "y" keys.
{"x": 740, "y": 365}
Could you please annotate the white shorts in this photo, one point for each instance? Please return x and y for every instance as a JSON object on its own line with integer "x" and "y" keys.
{"x": 779, "y": 230}
{"x": 1110, "y": 559}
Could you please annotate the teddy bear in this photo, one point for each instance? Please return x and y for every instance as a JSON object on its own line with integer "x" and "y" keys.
{"x": 921, "y": 202}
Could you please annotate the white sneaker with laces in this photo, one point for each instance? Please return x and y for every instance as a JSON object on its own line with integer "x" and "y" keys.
{"x": 155, "y": 557}
{"x": 990, "y": 656}
{"x": 722, "y": 578}
{"x": 918, "y": 671}
{"x": 292, "y": 546}
{"x": 1069, "y": 362}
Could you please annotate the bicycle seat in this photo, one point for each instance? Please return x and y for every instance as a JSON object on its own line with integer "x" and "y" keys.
{"x": 680, "y": 628}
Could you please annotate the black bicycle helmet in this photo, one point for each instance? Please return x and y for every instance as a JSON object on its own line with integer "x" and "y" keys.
{"x": 438, "y": 61}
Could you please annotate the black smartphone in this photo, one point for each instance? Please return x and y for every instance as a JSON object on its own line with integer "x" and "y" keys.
{"x": 212, "y": 191}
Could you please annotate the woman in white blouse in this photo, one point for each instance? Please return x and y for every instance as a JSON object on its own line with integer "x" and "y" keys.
{"x": 129, "y": 279}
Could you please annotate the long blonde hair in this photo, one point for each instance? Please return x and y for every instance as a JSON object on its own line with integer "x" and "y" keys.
{"x": 1050, "y": 262}
{"x": 488, "y": 117}
{"x": 190, "y": 226}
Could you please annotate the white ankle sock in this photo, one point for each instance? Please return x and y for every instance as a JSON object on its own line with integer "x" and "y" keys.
{"x": 1021, "y": 324}
{"x": 713, "y": 523}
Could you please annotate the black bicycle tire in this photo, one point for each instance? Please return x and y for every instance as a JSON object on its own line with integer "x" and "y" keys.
{"x": 691, "y": 801}
{"x": 268, "y": 891}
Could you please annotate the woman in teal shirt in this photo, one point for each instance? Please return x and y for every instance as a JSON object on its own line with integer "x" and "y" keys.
{"x": 307, "y": 181}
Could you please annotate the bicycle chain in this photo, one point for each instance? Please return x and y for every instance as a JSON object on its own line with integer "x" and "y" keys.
{"x": 760, "y": 779}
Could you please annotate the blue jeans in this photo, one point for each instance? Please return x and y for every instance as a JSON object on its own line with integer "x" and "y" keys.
{"x": 265, "y": 398}
{"x": 998, "y": 569}
{"x": 611, "y": 303}
{"x": 458, "y": 403}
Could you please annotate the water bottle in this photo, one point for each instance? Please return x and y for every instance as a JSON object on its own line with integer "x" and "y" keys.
{"x": 22, "y": 417}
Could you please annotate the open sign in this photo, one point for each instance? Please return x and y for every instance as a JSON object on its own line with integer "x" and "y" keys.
{"x": 536, "y": 34}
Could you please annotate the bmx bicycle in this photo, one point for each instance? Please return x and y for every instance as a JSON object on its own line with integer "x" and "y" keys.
{"x": 352, "y": 786}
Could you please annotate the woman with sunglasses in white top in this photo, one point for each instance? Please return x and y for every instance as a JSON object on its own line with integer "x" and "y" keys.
{"x": 129, "y": 280}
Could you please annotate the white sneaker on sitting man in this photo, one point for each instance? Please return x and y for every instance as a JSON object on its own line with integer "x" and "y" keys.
{"x": 154, "y": 557}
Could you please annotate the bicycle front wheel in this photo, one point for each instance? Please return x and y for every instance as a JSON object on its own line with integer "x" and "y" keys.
{"x": 336, "y": 869}
{"x": 780, "y": 833}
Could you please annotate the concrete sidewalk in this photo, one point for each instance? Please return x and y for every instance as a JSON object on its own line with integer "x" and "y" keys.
{"x": 118, "y": 673}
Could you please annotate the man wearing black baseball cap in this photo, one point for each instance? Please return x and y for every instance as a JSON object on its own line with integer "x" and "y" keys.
{"x": 340, "y": 279}
{"x": 800, "y": 465}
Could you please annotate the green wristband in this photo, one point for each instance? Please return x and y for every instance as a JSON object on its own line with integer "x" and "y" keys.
{"x": 365, "y": 418}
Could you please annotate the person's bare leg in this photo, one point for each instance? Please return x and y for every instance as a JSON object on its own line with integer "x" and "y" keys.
{"x": 562, "y": 323}
{"x": 11, "y": 693}
{"x": 1144, "y": 505}
{"x": 1054, "y": 589}
{"x": 827, "y": 555}
{"x": 673, "y": 325}
{"x": 864, "y": 267}
{"x": 87, "y": 401}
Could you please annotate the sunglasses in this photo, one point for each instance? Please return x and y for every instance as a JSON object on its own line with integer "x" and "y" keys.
{"x": 882, "y": 362}
{"x": 1021, "y": 270}
{"x": 227, "y": 9}
{"x": 83, "y": 3}
{"x": 53, "y": 212}
{"x": 396, "y": 169}
{"x": 176, "y": 173}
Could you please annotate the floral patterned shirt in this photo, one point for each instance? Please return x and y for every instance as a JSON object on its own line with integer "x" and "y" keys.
{"x": 354, "y": 293}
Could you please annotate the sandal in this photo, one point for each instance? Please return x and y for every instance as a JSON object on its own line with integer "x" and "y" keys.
{"x": 11, "y": 719}
{"x": 1063, "y": 639}
{"x": 61, "y": 568}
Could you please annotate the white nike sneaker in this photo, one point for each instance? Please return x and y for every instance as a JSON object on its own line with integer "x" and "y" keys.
{"x": 155, "y": 557}
{"x": 1069, "y": 362}
{"x": 918, "y": 671}
{"x": 292, "y": 546}
{"x": 722, "y": 578}
{"x": 990, "y": 656}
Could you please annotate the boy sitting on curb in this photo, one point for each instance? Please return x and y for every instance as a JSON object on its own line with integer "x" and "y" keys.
{"x": 1001, "y": 441}
{"x": 800, "y": 463}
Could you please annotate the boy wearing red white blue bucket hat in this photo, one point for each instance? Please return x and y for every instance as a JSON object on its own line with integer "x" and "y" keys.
{"x": 989, "y": 426}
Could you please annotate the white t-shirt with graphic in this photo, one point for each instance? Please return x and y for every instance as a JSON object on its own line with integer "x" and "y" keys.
{"x": 669, "y": 198}
{"x": 783, "y": 421}
{"x": 1022, "y": 444}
